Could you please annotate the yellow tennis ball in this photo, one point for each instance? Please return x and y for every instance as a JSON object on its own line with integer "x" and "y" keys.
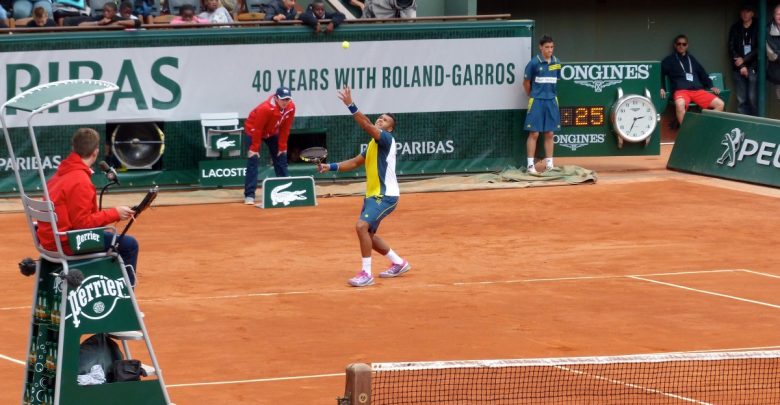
{"x": 345, "y": 44}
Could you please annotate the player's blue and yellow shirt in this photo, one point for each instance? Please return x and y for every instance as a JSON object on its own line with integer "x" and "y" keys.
{"x": 380, "y": 167}
{"x": 543, "y": 76}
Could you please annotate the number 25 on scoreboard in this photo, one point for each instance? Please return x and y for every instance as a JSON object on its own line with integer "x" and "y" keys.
{"x": 585, "y": 116}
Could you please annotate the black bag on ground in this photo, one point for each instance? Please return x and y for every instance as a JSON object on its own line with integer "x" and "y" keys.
{"x": 127, "y": 370}
{"x": 99, "y": 349}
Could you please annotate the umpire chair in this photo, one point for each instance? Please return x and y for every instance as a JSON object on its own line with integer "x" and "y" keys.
{"x": 88, "y": 292}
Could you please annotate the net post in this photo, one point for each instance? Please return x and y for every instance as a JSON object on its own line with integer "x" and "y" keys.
{"x": 358, "y": 388}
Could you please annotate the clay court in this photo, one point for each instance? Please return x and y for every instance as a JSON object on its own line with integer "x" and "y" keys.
{"x": 251, "y": 306}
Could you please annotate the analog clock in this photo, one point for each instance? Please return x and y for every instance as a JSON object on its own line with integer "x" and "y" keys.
{"x": 634, "y": 118}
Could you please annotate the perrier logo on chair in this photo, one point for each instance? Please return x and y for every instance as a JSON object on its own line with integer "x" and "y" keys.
{"x": 95, "y": 298}
{"x": 87, "y": 241}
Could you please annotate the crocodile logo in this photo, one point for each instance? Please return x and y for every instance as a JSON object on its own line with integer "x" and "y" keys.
{"x": 224, "y": 143}
{"x": 95, "y": 298}
{"x": 732, "y": 141}
{"x": 279, "y": 195}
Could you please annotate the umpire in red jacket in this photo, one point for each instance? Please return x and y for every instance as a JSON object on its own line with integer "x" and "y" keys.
{"x": 270, "y": 122}
{"x": 75, "y": 202}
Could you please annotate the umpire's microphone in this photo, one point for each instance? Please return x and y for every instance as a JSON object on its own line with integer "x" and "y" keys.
{"x": 109, "y": 171}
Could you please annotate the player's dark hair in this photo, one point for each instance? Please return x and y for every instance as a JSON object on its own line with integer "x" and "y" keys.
{"x": 395, "y": 121}
{"x": 85, "y": 141}
{"x": 679, "y": 37}
{"x": 545, "y": 39}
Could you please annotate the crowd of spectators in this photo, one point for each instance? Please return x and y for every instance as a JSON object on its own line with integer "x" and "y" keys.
{"x": 135, "y": 13}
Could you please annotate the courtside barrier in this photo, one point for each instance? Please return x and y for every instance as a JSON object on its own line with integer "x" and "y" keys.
{"x": 730, "y": 146}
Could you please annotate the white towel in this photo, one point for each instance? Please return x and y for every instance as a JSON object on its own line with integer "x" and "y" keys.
{"x": 95, "y": 376}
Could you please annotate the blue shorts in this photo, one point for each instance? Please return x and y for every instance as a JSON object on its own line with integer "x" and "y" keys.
{"x": 543, "y": 115}
{"x": 375, "y": 209}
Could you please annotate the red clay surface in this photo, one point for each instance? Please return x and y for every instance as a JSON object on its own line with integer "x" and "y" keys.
{"x": 234, "y": 293}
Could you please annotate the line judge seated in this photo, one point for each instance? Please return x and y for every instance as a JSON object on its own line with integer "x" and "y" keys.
{"x": 688, "y": 81}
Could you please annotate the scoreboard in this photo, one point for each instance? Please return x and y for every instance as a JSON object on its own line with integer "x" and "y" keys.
{"x": 583, "y": 116}
{"x": 587, "y": 93}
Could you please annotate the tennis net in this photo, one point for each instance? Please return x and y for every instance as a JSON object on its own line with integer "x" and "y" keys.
{"x": 728, "y": 378}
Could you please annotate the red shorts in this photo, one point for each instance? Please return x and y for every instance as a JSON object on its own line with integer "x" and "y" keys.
{"x": 702, "y": 98}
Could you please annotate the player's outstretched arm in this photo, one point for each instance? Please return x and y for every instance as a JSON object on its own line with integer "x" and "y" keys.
{"x": 344, "y": 166}
{"x": 345, "y": 95}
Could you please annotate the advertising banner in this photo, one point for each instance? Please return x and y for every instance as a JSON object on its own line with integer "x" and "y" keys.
{"x": 179, "y": 83}
{"x": 730, "y": 146}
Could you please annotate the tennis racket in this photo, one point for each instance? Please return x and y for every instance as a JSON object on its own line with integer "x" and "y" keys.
{"x": 314, "y": 155}
{"x": 143, "y": 205}
{"x": 146, "y": 202}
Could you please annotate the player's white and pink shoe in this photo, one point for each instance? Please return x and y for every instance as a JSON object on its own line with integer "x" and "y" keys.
{"x": 396, "y": 270}
{"x": 362, "y": 279}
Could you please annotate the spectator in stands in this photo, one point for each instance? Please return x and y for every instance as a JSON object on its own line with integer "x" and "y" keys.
{"x": 279, "y": 10}
{"x": 390, "y": 9}
{"x": 109, "y": 17}
{"x": 3, "y": 17}
{"x": 24, "y": 8}
{"x": 773, "y": 51}
{"x": 316, "y": 12}
{"x": 688, "y": 80}
{"x": 232, "y": 6}
{"x": 143, "y": 10}
{"x": 126, "y": 10}
{"x": 187, "y": 16}
{"x": 743, "y": 37}
{"x": 61, "y": 10}
{"x": 356, "y": 3}
{"x": 40, "y": 19}
{"x": 215, "y": 13}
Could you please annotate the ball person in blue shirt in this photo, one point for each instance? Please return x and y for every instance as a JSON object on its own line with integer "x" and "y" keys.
{"x": 541, "y": 76}
{"x": 382, "y": 190}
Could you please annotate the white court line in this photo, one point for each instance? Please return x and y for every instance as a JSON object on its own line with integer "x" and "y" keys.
{"x": 761, "y": 274}
{"x": 12, "y": 360}
{"x": 407, "y": 287}
{"x": 635, "y": 386}
{"x": 540, "y": 280}
{"x": 11, "y": 308}
{"x": 766, "y": 304}
{"x": 300, "y": 377}
{"x": 425, "y": 286}
{"x": 736, "y": 349}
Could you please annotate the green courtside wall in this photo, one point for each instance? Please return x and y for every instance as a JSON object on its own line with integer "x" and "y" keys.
{"x": 462, "y": 139}
{"x": 730, "y": 146}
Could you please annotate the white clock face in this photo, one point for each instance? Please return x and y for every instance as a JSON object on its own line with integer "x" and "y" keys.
{"x": 635, "y": 118}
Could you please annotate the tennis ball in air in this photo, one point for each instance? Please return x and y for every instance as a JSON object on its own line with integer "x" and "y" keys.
{"x": 345, "y": 45}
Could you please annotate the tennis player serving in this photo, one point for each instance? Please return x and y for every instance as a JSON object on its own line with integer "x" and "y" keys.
{"x": 382, "y": 191}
